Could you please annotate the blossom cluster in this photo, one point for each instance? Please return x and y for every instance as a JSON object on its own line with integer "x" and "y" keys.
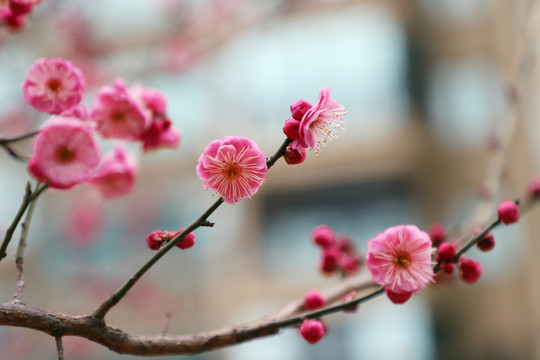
{"x": 312, "y": 125}
{"x": 338, "y": 252}
{"x": 13, "y": 12}
{"x": 66, "y": 152}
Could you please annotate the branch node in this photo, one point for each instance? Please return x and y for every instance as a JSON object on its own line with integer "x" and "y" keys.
{"x": 207, "y": 223}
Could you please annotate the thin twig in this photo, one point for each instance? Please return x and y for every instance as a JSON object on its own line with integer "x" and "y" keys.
{"x": 59, "y": 347}
{"x": 167, "y": 324}
{"x": 114, "y": 298}
{"x": 18, "y": 138}
{"x": 5, "y": 143}
{"x": 13, "y": 153}
{"x": 27, "y": 199}
{"x": 19, "y": 256}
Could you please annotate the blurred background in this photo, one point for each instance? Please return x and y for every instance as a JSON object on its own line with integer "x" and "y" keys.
{"x": 424, "y": 82}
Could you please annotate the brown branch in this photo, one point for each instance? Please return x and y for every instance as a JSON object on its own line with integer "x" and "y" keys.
{"x": 116, "y": 340}
{"x": 93, "y": 329}
{"x": 113, "y": 299}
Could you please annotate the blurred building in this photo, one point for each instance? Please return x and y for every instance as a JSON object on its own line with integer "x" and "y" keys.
{"x": 425, "y": 82}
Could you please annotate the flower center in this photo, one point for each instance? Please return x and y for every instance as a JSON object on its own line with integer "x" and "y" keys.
{"x": 65, "y": 154}
{"x": 54, "y": 84}
{"x": 118, "y": 116}
{"x": 403, "y": 260}
{"x": 232, "y": 171}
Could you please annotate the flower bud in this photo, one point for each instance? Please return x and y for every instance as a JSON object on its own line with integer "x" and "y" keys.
{"x": 20, "y": 7}
{"x": 470, "y": 270}
{"x": 15, "y": 22}
{"x": 312, "y": 331}
{"x": 508, "y": 212}
{"x": 349, "y": 263}
{"x": 348, "y": 297}
{"x": 437, "y": 233}
{"x": 445, "y": 252}
{"x": 329, "y": 259}
{"x": 534, "y": 187}
{"x": 448, "y": 267}
{"x": 291, "y": 129}
{"x": 314, "y": 300}
{"x": 487, "y": 243}
{"x": 397, "y": 298}
{"x": 155, "y": 239}
{"x": 346, "y": 245}
{"x": 294, "y": 156}
{"x": 187, "y": 242}
{"x": 299, "y": 108}
{"x": 323, "y": 235}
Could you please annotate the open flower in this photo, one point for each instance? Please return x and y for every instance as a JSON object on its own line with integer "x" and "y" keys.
{"x": 119, "y": 115}
{"x": 64, "y": 153}
{"x": 400, "y": 259}
{"x": 116, "y": 176}
{"x": 233, "y": 166}
{"x": 53, "y": 85}
{"x": 320, "y": 122}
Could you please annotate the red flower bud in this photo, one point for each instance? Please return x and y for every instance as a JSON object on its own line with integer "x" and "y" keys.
{"x": 156, "y": 238}
{"x": 397, "y": 298}
{"x": 437, "y": 233}
{"x": 323, "y": 235}
{"x": 508, "y": 212}
{"x": 470, "y": 270}
{"x": 299, "y": 108}
{"x": 294, "y": 156}
{"x": 20, "y": 8}
{"x": 348, "y": 297}
{"x": 448, "y": 267}
{"x": 314, "y": 300}
{"x": 534, "y": 186}
{"x": 487, "y": 243}
{"x": 187, "y": 242}
{"x": 291, "y": 129}
{"x": 312, "y": 331}
{"x": 445, "y": 252}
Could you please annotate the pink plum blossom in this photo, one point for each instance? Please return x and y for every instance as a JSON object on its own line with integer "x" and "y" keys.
{"x": 160, "y": 134}
{"x": 64, "y": 153}
{"x": 233, "y": 166}
{"x": 400, "y": 259}
{"x": 116, "y": 176}
{"x": 78, "y": 111}
{"x": 118, "y": 114}
{"x": 53, "y": 85}
{"x": 320, "y": 122}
